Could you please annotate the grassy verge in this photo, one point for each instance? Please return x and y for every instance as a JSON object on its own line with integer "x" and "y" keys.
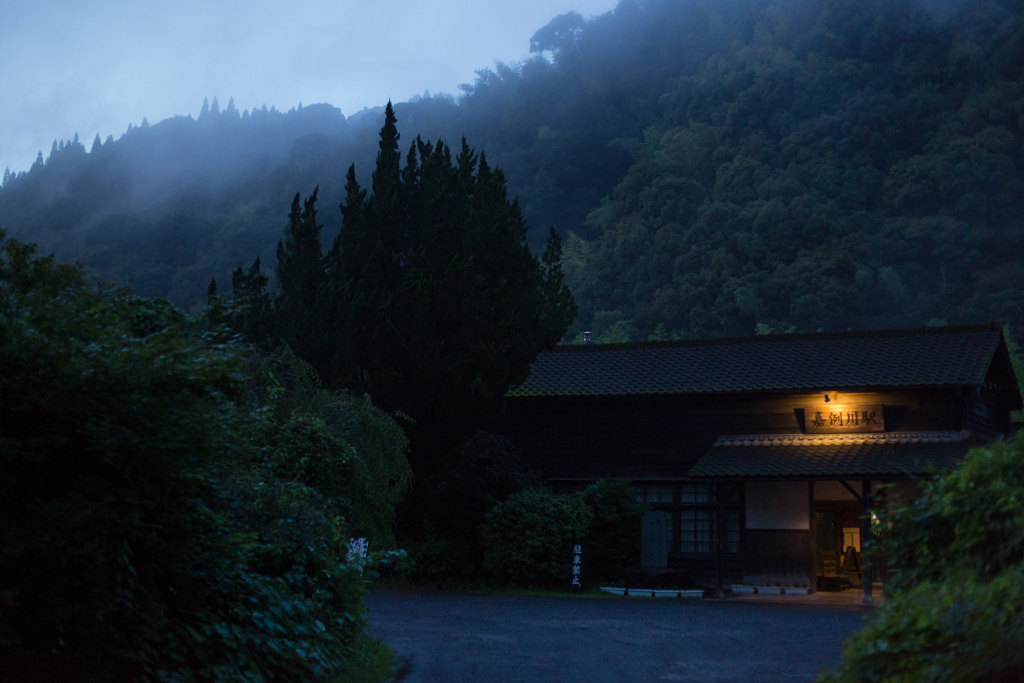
{"x": 376, "y": 663}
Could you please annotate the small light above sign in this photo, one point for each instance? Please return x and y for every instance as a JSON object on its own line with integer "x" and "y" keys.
{"x": 835, "y": 418}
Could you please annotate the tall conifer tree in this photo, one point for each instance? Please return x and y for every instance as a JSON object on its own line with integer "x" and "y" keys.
{"x": 300, "y": 272}
{"x": 429, "y": 299}
{"x": 252, "y": 315}
{"x": 440, "y": 306}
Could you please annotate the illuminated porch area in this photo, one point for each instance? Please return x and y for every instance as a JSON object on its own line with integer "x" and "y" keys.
{"x": 811, "y": 500}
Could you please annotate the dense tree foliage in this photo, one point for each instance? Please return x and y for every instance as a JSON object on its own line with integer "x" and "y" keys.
{"x": 438, "y": 303}
{"x": 612, "y": 541}
{"x": 172, "y": 507}
{"x": 478, "y": 475}
{"x": 1017, "y": 360}
{"x": 712, "y": 166}
{"x": 545, "y": 527}
{"x": 957, "y": 608}
{"x": 846, "y": 165}
{"x": 430, "y": 299}
{"x": 604, "y": 519}
{"x": 335, "y": 442}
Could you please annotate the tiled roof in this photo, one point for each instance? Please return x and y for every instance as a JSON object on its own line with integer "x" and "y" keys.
{"x": 852, "y": 455}
{"x": 934, "y": 356}
{"x": 836, "y": 439}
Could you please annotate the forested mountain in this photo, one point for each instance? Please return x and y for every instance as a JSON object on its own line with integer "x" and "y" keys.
{"x": 850, "y": 164}
{"x": 714, "y": 167}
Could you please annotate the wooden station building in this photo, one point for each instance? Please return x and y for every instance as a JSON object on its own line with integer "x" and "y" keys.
{"x": 761, "y": 453}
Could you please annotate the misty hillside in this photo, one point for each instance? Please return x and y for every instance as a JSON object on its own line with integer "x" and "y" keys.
{"x": 715, "y": 167}
{"x": 171, "y": 204}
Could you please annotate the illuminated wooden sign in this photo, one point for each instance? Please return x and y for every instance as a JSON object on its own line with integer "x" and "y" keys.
{"x": 839, "y": 419}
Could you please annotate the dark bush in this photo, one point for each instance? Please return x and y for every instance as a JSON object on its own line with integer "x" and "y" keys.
{"x": 476, "y": 536}
{"x": 438, "y": 563}
{"x": 529, "y": 538}
{"x": 478, "y": 475}
{"x": 957, "y": 608}
{"x": 143, "y": 533}
{"x": 971, "y": 519}
{"x": 959, "y": 630}
{"x": 340, "y": 444}
{"x": 612, "y": 542}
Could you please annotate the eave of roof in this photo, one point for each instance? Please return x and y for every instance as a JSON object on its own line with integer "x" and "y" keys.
{"x": 892, "y": 455}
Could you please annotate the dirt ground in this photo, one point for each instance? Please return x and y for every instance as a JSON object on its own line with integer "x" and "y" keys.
{"x": 468, "y": 638}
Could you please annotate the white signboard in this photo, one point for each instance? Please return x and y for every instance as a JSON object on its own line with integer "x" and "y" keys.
{"x": 577, "y": 554}
{"x": 357, "y": 547}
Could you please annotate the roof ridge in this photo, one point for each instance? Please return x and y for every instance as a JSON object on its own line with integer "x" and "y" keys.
{"x": 989, "y": 326}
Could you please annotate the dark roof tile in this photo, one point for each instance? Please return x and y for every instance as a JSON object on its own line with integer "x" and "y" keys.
{"x": 881, "y": 458}
{"x": 934, "y": 356}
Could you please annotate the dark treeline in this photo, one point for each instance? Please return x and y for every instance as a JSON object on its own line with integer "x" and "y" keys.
{"x": 714, "y": 168}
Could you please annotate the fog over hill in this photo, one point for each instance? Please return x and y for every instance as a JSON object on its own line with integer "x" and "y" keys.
{"x": 714, "y": 168}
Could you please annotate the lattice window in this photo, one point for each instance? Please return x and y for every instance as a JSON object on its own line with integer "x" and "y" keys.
{"x": 695, "y": 530}
{"x": 655, "y": 493}
{"x": 698, "y": 530}
{"x": 691, "y": 523}
{"x": 732, "y": 531}
{"x": 694, "y": 493}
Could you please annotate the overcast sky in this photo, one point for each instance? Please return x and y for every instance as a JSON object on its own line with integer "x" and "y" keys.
{"x": 94, "y": 66}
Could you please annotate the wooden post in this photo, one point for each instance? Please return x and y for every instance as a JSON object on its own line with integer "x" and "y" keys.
{"x": 720, "y": 498}
{"x": 812, "y": 577}
{"x": 865, "y": 536}
{"x": 883, "y": 503}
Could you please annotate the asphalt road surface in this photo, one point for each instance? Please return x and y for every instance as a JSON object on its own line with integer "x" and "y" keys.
{"x": 486, "y": 638}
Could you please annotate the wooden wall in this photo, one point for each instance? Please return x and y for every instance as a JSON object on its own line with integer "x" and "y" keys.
{"x": 773, "y": 555}
{"x": 987, "y": 414}
{"x": 663, "y": 437}
{"x": 574, "y": 439}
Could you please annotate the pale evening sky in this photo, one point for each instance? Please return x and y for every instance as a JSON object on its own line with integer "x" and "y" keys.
{"x": 95, "y": 66}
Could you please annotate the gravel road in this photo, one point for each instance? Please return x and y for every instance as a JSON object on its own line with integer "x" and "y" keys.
{"x": 462, "y": 638}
